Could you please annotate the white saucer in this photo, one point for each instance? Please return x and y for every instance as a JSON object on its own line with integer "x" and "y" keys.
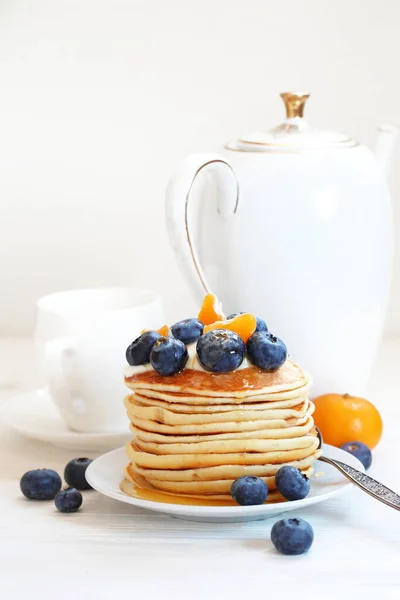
{"x": 34, "y": 415}
{"x": 106, "y": 472}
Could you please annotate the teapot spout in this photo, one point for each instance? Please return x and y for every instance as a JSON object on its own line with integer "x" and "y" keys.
{"x": 385, "y": 144}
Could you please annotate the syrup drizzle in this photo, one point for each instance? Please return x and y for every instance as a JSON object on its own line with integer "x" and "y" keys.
{"x": 135, "y": 490}
{"x": 286, "y": 378}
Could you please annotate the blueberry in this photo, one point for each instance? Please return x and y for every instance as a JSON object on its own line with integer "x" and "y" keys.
{"x": 292, "y": 536}
{"x": 266, "y": 351}
{"x": 360, "y": 451}
{"x": 68, "y": 501}
{"x": 261, "y": 324}
{"x": 40, "y": 484}
{"x": 138, "y": 353}
{"x": 220, "y": 350}
{"x": 292, "y": 483}
{"x": 188, "y": 330}
{"x": 248, "y": 490}
{"x": 74, "y": 473}
{"x": 168, "y": 356}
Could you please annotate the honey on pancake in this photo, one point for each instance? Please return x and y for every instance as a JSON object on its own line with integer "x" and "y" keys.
{"x": 242, "y": 379}
{"x": 144, "y": 492}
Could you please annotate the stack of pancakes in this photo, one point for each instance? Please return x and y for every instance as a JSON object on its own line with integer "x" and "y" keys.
{"x": 196, "y": 432}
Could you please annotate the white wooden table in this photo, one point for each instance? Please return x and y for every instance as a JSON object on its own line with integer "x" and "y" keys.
{"x": 111, "y": 550}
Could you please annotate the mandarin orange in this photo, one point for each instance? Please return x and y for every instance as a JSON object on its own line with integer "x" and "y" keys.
{"x": 162, "y": 331}
{"x": 211, "y": 310}
{"x": 345, "y": 418}
{"x": 244, "y": 325}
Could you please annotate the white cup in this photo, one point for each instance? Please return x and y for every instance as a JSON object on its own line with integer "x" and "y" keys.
{"x": 81, "y": 337}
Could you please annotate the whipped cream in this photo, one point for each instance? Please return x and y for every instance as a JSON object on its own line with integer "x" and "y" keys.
{"x": 192, "y": 363}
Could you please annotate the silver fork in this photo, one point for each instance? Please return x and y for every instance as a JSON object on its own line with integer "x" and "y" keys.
{"x": 369, "y": 485}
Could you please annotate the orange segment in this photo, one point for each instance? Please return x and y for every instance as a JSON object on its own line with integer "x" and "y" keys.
{"x": 244, "y": 325}
{"x": 162, "y": 331}
{"x": 211, "y": 310}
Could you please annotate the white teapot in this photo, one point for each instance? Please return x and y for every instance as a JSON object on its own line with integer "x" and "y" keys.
{"x": 299, "y": 232}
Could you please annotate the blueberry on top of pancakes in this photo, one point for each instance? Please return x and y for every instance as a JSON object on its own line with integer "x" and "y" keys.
{"x": 188, "y": 330}
{"x": 220, "y": 350}
{"x": 138, "y": 353}
{"x": 266, "y": 351}
{"x": 168, "y": 355}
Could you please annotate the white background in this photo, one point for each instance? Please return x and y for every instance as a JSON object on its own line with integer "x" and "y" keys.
{"x": 101, "y": 99}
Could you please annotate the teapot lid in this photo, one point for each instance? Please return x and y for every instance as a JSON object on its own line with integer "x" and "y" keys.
{"x": 293, "y": 135}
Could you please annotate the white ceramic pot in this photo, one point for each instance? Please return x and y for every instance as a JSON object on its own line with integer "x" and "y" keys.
{"x": 297, "y": 230}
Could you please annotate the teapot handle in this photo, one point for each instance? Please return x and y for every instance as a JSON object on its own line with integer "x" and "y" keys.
{"x": 177, "y": 204}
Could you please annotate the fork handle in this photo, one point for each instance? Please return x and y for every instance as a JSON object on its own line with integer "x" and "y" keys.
{"x": 366, "y": 483}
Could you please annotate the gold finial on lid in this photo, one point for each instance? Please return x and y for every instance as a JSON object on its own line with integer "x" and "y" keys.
{"x": 294, "y": 103}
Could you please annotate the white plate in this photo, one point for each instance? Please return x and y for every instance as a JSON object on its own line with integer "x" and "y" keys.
{"x": 106, "y": 472}
{"x": 35, "y": 415}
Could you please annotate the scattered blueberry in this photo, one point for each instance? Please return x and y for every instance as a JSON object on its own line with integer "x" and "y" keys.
{"x": 220, "y": 350}
{"x": 40, "y": 484}
{"x": 292, "y": 536}
{"x": 168, "y": 356}
{"x": 266, "y": 351}
{"x": 360, "y": 451}
{"x": 68, "y": 501}
{"x": 138, "y": 353}
{"x": 74, "y": 473}
{"x": 248, "y": 490}
{"x": 188, "y": 330}
{"x": 261, "y": 324}
{"x": 292, "y": 483}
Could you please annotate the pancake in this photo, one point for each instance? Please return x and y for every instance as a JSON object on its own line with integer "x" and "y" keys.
{"x": 229, "y": 446}
{"x": 194, "y": 461}
{"x": 238, "y": 422}
{"x": 229, "y": 427}
{"x": 242, "y": 383}
{"x": 196, "y": 432}
{"x": 142, "y": 400}
{"x": 220, "y": 472}
{"x": 221, "y": 486}
{"x": 270, "y": 433}
{"x": 133, "y": 481}
{"x": 207, "y": 401}
{"x": 168, "y": 417}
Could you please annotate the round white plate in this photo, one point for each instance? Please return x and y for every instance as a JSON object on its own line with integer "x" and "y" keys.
{"x": 106, "y": 472}
{"x": 35, "y": 415}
